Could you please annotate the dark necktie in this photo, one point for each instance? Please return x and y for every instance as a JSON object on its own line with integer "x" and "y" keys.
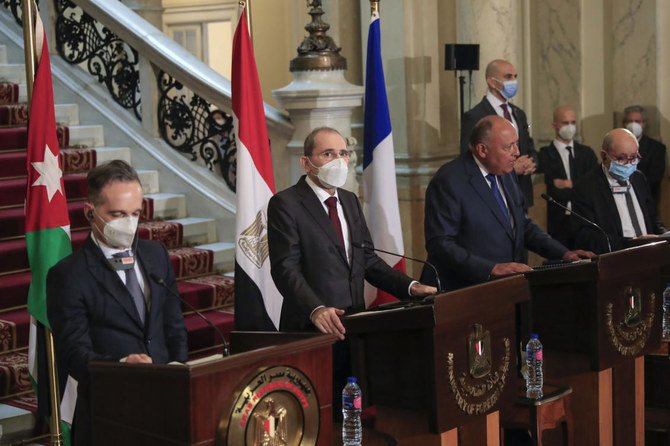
{"x": 506, "y": 113}
{"x": 498, "y": 196}
{"x": 631, "y": 209}
{"x": 331, "y": 203}
{"x": 571, "y": 162}
{"x": 134, "y": 288}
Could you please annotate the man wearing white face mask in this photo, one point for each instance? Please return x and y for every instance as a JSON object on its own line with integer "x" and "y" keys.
{"x": 616, "y": 197}
{"x": 652, "y": 164}
{"x": 102, "y": 301}
{"x": 564, "y": 162}
{"x": 502, "y": 83}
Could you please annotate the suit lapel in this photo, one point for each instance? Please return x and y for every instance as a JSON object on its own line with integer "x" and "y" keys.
{"x": 608, "y": 200}
{"x": 311, "y": 203}
{"x": 110, "y": 281}
{"x": 148, "y": 268}
{"x": 481, "y": 186}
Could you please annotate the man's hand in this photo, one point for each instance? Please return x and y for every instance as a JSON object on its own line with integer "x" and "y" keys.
{"x": 646, "y": 236}
{"x": 327, "y": 320}
{"x": 421, "y": 290}
{"x": 572, "y": 256}
{"x": 524, "y": 165}
{"x": 562, "y": 184}
{"x": 505, "y": 269}
{"x": 139, "y": 358}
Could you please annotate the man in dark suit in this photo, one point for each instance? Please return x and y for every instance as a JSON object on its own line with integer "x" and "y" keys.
{"x": 102, "y": 302}
{"x": 320, "y": 252}
{"x": 564, "y": 162}
{"x": 615, "y": 196}
{"x": 501, "y": 79}
{"x": 475, "y": 224}
{"x": 652, "y": 164}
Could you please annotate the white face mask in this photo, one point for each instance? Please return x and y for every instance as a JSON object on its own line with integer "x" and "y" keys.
{"x": 567, "y": 132}
{"x": 120, "y": 232}
{"x": 635, "y": 128}
{"x": 333, "y": 173}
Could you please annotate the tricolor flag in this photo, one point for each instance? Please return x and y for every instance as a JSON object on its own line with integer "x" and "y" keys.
{"x": 47, "y": 224}
{"x": 379, "y": 184}
{"x": 257, "y": 300}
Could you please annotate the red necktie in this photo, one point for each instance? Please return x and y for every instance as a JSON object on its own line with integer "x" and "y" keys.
{"x": 506, "y": 112}
{"x": 331, "y": 203}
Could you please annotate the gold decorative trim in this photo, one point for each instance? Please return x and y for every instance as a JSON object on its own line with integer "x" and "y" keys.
{"x": 480, "y": 396}
{"x": 630, "y": 335}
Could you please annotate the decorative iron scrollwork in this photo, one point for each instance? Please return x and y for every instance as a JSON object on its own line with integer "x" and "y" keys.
{"x": 81, "y": 39}
{"x": 196, "y": 128}
{"x": 16, "y": 8}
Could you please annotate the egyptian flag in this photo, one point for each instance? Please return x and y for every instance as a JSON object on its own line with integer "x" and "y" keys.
{"x": 379, "y": 183}
{"x": 47, "y": 228}
{"x": 257, "y": 300}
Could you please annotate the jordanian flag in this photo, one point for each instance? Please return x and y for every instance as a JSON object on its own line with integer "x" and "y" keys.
{"x": 380, "y": 204}
{"x": 258, "y": 302}
{"x": 47, "y": 221}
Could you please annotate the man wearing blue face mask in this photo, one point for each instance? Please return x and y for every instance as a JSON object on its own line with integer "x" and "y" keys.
{"x": 102, "y": 301}
{"x": 502, "y": 83}
{"x": 616, "y": 196}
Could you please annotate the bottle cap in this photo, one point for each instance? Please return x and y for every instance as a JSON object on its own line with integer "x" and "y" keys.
{"x": 351, "y": 379}
{"x": 534, "y": 336}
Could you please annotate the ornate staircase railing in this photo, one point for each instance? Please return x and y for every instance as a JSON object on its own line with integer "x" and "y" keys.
{"x": 189, "y": 105}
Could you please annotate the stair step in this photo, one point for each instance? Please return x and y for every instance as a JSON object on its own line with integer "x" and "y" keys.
{"x": 13, "y": 72}
{"x": 104, "y": 154}
{"x": 224, "y": 255}
{"x": 14, "y": 290}
{"x": 201, "y": 335}
{"x": 211, "y": 291}
{"x": 14, "y": 255}
{"x": 14, "y": 373}
{"x": 164, "y": 205}
{"x": 13, "y": 191}
{"x": 14, "y": 329}
{"x": 3, "y": 54}
{"x": 17, "y": 114}
{"x": 149, "y": 181}
{"x": 13, "y": 138}
{"x": 190, "y": 262}
{"x": 10, "y": 93}
{"x": 87, "y": 136}
{"x": 12, "y": 220}
{"x": 17, "y": 423}
{"x": 197, "y": 230}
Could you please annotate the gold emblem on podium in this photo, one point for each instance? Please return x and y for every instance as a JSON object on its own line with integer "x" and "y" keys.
{"x": 276, "y": 407}
{"x": 253, "y": 241}
{"x": 627, "y": 329}
{"x": 477, "y": 390}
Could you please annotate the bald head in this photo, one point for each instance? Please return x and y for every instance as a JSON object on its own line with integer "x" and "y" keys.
{"x": 495, "y": 67}
{"x": 497, "y": 72}
{"x": 617, "y": 139}
{"x": 561, "y": 111}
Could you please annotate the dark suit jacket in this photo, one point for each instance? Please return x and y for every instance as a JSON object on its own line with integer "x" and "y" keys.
{"x": 466, "y": 231}
{"x": 652, "y": 164}
{"x": 558, "y": 224}
{"x": 593, "y": 199}
{"x": 309, "y": 265}
{"x": 526, "y": 144}
{"x": 93, "y": 317}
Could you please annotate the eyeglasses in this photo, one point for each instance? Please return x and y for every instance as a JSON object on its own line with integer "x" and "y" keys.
{"x": 331, "y": 154}
{"x": 624, "y": 160}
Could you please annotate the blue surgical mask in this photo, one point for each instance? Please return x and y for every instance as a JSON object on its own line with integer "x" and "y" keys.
{"x": 622, "y": 171}
{"x": 509, "y": 88}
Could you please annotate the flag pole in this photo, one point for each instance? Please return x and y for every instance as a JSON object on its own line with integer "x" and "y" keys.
{"x": 374, "y": 7}
{"x": 247, "y": 4}
{"x": 29, "y": 44}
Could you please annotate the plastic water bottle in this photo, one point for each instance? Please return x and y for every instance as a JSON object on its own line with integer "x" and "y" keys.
{"x": 534, "y": 380}
{"x": 666, "y": 313}
{"x": 352, "y": 430}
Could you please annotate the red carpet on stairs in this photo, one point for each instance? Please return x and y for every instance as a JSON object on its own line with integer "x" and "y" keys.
{"x": 13, "y": 162}
{"x": 15, "y": 257}
{"x": 201, "y": 335}
{"x": 17, "y": 137}
{"x": 13, "y": 220}
{"x": 14, "y": 328}
{"x": 14, "y": 289}
{"x": 9, "y": 93}
{"x": 14, "y": 376}
{"x": 13, "y": 114}
{"x": 13, "y": 192}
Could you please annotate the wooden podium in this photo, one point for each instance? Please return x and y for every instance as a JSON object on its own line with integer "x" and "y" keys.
{"x": 596, "y": 321}
{"x": 281, "y": 392}
{"x": 438, "y": 374}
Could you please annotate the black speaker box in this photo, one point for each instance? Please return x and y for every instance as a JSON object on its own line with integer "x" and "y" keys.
{"x": 458, "y": 56}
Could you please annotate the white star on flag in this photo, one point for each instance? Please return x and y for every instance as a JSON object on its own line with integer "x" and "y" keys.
{"x": 50, "y": 173}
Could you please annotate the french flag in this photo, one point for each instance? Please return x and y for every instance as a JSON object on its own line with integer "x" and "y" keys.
{"x": 379, "y": 184}
{"x": 257, "y": 300}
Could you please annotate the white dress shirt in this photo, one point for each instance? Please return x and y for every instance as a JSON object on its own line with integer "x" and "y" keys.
{"x": 323, "y": 195}
{"x": 565, "y": 159}
{"x": 622, "y": 207}
{"x": 108, "y": 252}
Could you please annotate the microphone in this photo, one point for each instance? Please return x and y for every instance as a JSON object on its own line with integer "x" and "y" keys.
{"x": 363, "y": 245}
{"x": 551, "y": 200}
{"x": 161, "y": 282}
